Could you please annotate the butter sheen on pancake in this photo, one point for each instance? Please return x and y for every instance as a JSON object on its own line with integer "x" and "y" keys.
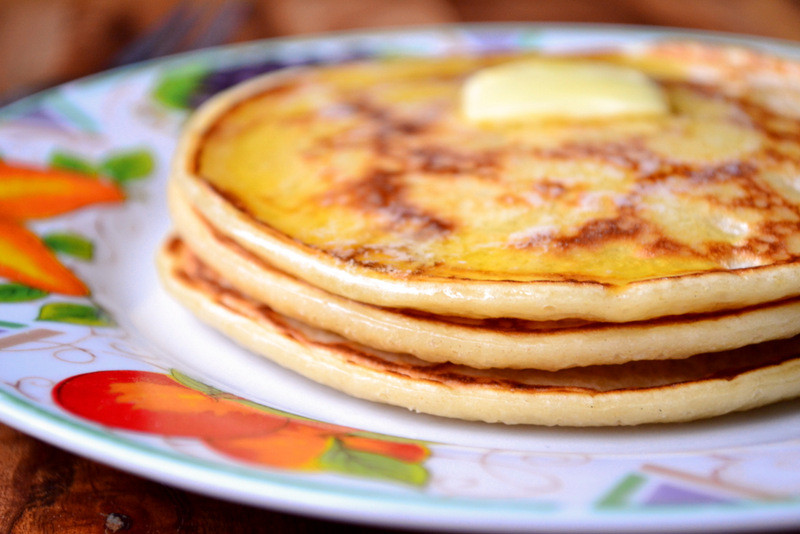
{"x": 627, "y": 394}
{"x": 509, "y": 343}
{"x": 363, "y": 180}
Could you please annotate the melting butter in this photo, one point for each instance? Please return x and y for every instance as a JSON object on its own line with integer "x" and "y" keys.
{"x": 560, "y": 88}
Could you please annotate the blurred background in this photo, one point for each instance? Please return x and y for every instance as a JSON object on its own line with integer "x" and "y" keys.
{"x": 44, "y": 42}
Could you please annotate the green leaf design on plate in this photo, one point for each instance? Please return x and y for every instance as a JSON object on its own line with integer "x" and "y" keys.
{"x": 130, "y": 165}
{"x": 211, "y": 391}
{"x": 69, "y": 312}
{"x": 177, "y": 87}
{"x": 19, "y": 293}
{"x": 192, "y": 383}
{"x": 340, "y": 458}
{"x": 71, "y": 244}
{"x": 71, "y": 162}
{"x": 620, "y": 495}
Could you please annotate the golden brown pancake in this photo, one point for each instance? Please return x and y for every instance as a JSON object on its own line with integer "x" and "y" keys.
{"x": 479, "y": 343}
{"x": 364, "y": 180}
{"x": 627, "y": 394}
{"x": 367, "y": 226}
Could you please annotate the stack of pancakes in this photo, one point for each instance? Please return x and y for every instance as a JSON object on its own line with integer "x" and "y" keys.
{"x": 349, "y": 223}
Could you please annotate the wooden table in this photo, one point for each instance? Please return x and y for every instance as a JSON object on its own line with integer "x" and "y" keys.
{"x": 44, "y": 489}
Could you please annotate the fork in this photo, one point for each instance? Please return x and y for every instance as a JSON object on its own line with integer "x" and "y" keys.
{"x": 188, "y": 26}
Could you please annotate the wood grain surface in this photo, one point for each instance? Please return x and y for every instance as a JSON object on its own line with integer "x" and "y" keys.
{"x": 44, "y": 489}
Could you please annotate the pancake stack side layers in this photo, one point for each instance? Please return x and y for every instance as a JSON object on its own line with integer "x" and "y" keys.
{"x": 582, "y": 240}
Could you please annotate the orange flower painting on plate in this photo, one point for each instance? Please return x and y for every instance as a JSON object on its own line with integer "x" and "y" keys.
{"x": 28, "y": 193}
{"x": 176, "y": 406}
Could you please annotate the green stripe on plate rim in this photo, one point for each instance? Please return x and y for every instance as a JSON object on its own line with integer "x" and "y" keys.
{"x": 435, "y": 504}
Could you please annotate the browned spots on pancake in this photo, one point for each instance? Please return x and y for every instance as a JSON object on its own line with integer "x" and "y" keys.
{"x": 625, "y": 226}
{"x": 549, "y": 189}
{"x": 400, "y": 143}
{"x": 688, "y": 179}
{"x": 630, "y": 154}
{"x": 398, "y": 154}
{"x": 683, "y": 179}
{"x": 701, "y": 174}
{"x": 769, "y": 238}
{"x": 174, "y": 245}
{"x": 383, "y": 193}
{"x": 447, "y": 160}
{"x": 661, "y": 246}
{"x": 774, "y": 125}
{"x": 379, "y": 190}
{"x": 386, "y": 123}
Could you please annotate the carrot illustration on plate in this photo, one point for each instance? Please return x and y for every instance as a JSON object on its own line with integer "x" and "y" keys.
{"x": 28, "y": 193}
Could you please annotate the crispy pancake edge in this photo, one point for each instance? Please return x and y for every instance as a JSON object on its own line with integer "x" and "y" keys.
{"x": 464, "y": 393}
{"x": 480, "y": 344}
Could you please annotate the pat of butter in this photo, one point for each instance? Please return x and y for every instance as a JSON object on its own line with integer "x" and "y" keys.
{"x": 551, "y": 88}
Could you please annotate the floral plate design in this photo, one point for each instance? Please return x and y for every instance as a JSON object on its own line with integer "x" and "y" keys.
{"x": 95, "y": 358}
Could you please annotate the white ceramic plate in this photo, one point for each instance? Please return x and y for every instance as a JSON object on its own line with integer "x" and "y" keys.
{"x": 107, "y": 376}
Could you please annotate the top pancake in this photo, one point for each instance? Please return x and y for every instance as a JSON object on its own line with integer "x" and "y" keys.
{"x": 365, "y": 180}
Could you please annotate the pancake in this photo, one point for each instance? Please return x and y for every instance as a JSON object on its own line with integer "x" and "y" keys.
{"x": 366, "y": 181}
{"x": 510, "y": 343}
{"x": 626, "y": 394}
